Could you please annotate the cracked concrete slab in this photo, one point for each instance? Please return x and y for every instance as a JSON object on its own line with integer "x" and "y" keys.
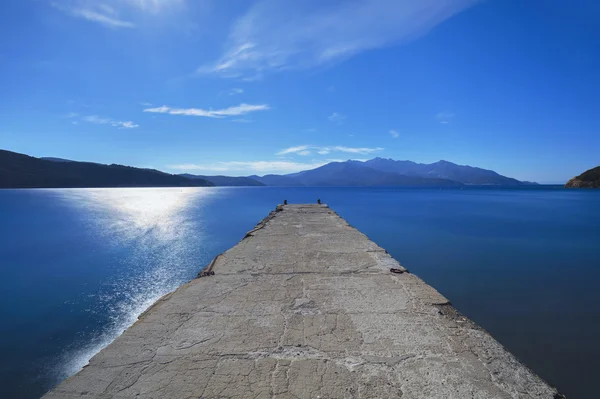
{"x": 304, "y": 307}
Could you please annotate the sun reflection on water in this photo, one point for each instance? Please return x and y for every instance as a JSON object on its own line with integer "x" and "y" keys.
{"x": 161, "y": 238}
{"x": 130, "y": 211}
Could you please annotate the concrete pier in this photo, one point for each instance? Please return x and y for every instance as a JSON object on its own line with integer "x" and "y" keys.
{"x": 305, "y": 306}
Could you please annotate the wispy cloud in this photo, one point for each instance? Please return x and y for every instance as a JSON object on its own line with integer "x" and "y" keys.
{"x": 109, "y": 12}
{"x": 445, "y": 117}
{"x": 354, "y": 150}
{"x": 337, "y": 118}
{"x": 154, "y": 6}
{"x": 276, "y": 35}
{"x": 126, "y": 125}
{"x": 294, "y": 150}
{"x": 394, "y": 134}
{"x": 95, "y": 12}
{"x": 235, "y": 91}
{"x": 305, "y": 150}
{"x": 249, "y": 168}
{"x": 97, "y": 120}
{"x": 241, "y": 109}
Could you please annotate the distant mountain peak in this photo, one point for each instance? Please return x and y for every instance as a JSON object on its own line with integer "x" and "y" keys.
{"x": 381, "y": 172}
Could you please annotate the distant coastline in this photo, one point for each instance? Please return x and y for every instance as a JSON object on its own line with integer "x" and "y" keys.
{"x": 23, "y": 171}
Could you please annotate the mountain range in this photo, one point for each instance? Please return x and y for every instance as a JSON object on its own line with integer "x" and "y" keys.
{"x": 388, "y": 172}
{"x": 22, "y": 171}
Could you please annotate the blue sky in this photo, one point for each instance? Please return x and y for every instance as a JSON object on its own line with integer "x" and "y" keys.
{"x": 272, "y": 86}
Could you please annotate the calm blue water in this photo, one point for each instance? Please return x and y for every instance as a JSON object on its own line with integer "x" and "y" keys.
{"x": 79, "y": 265}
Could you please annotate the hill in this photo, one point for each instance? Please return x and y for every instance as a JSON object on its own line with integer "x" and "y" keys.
{"x": 357, "y": 174}
{"x": 588, "y": 179}
{"x": 388, "y": 172}
{"x": 226, "y": 181}
{"x": 22, "y": 171}
{"x": 444, "y": 170}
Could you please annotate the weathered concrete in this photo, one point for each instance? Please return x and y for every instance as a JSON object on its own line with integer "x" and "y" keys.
{"x": 304, "y": 307}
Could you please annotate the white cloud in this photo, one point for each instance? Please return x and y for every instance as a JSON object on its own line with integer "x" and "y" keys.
{"x": 245, "y": 168}
{"x": 96, "y": 119}
{"x": 277, "y": 35}
{"x": 126, "y": 125}
{"x": 235, "y": 91}
{"x": 109, "y": 12}
{"x": 352, "y": 150}
{"x": 305, "y": 150}
{"x": 248, "y": 168}
{"x": 445, "y": 117}
{"x": 294, "y": 150}
{"x": 394, "y": 134}
{"x": 337, "y": 118}
{"x": 108, "y": 121}
{"x": 95, "y": 12}
{"x": 154, "y": 6}
{"x": 241, "y": 109}
{"x": 95, "y": 16}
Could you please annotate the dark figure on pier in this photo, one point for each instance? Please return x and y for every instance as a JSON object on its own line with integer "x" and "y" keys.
{"x": 284, "y": 202}
{"x": 319, "y": 201}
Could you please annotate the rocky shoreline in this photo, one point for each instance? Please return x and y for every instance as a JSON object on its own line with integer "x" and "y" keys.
{"x": 588, "y": 179}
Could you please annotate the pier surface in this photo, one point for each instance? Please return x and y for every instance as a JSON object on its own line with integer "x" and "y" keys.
{"x": 304, "y": 307}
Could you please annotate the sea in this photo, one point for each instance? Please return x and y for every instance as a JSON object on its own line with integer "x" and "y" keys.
{"x": 79, "y": 265}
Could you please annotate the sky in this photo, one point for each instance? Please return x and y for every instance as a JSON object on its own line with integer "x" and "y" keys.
{"x": 272, "y": 86}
